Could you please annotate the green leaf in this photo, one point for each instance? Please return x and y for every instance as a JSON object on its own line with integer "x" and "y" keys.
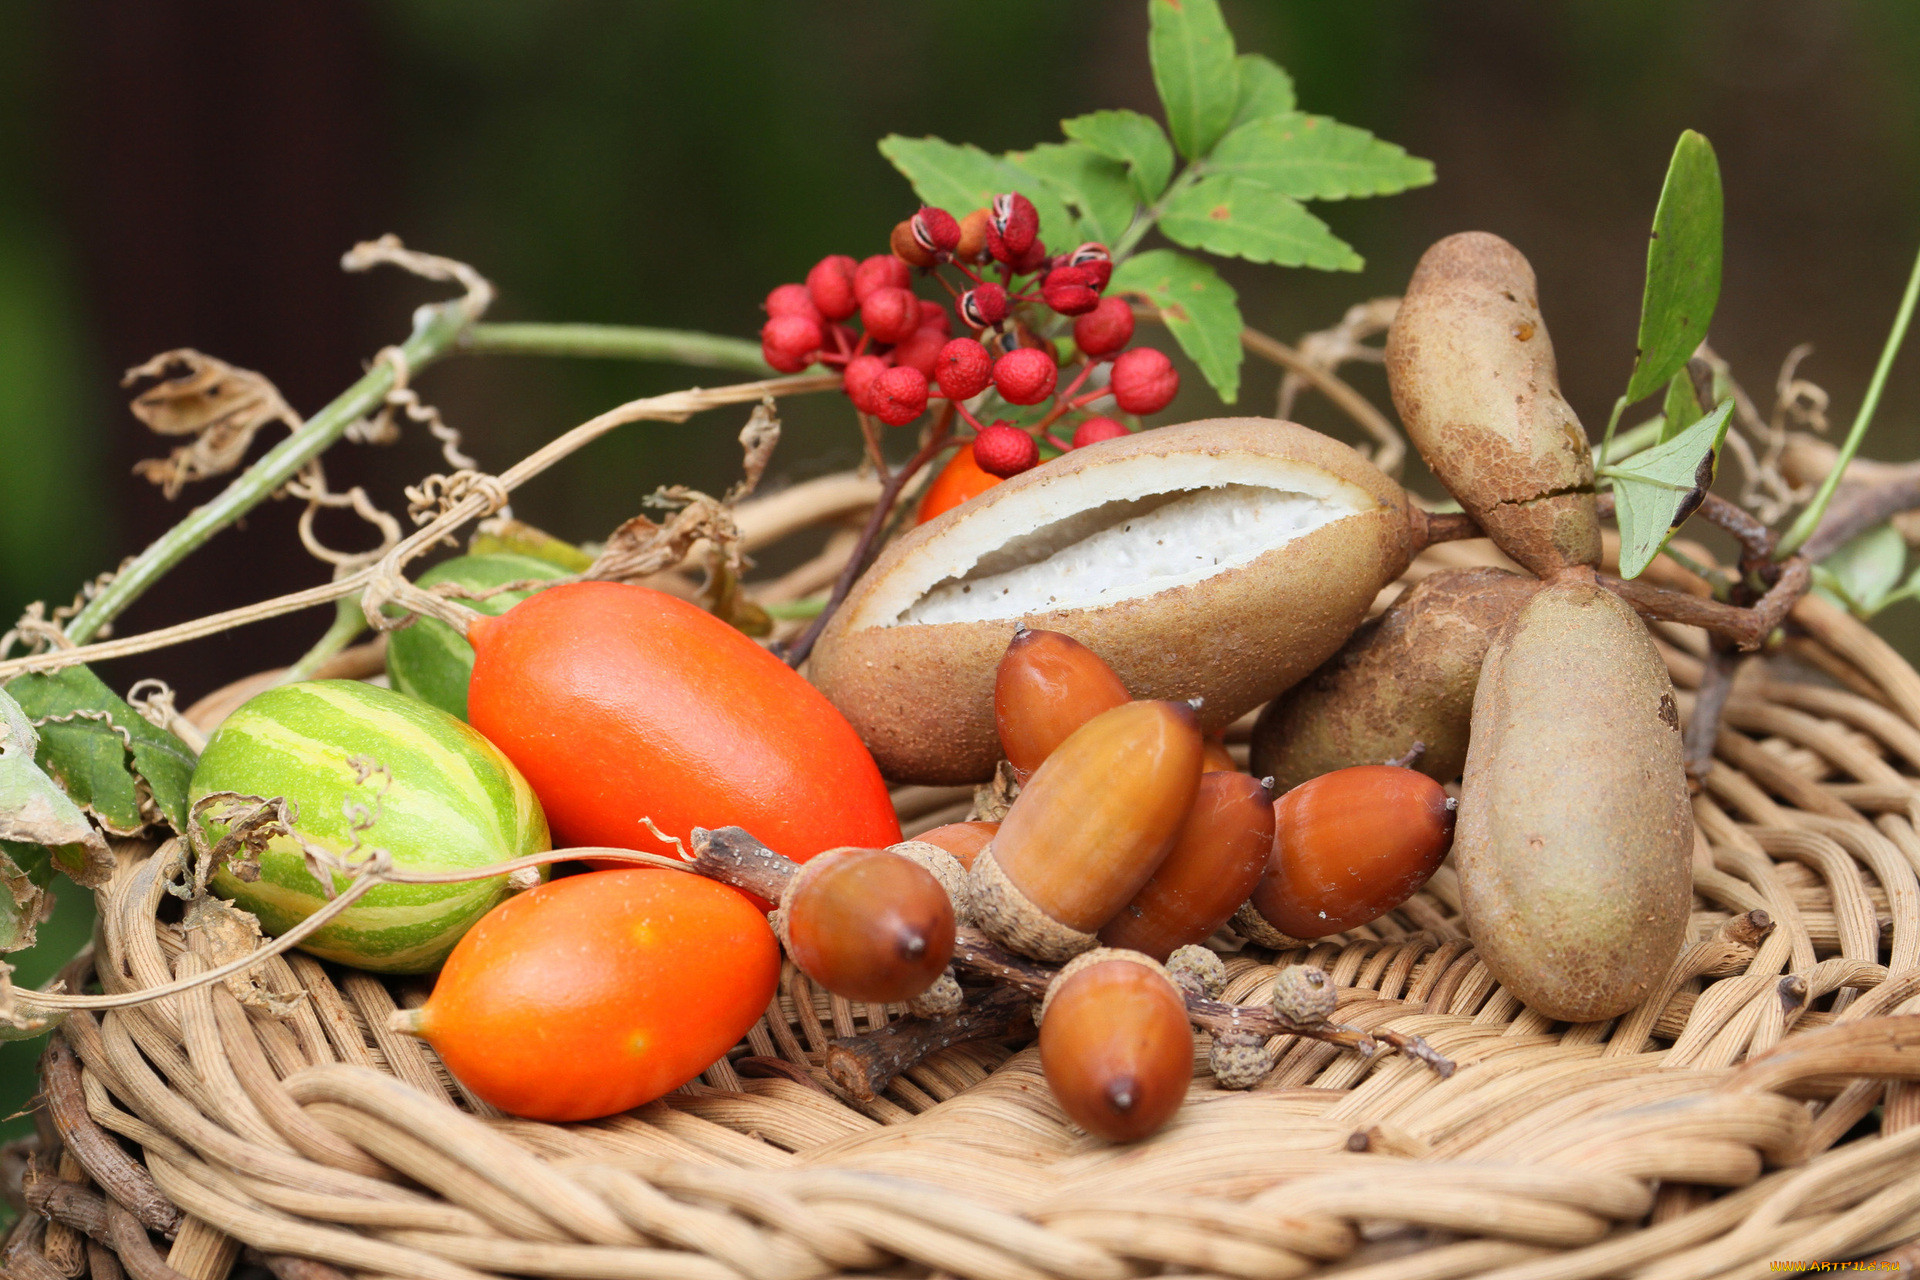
{"x": 1094, "y": 188}
{"x": 1226, "y": 215}
{"x": 961, "y": 179}
{"x": 1865, "y": 571}
{"x": 1265, "y": 89}
{"x": 1200, "y": 310}
{"x": 1193, "y": 67}
{"x": 81, "y": 744}
{"x": 1317, "y": 158}
{"x": 1136, "y": 141}
{"x": 1681, "y": 408}
{"x": 1683, "y": 266}
{"x": 1657, "y": 489}
{"x": 38, "y": 823}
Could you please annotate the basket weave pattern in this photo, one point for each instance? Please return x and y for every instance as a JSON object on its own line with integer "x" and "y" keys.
{"x": 1757, "y": 1108}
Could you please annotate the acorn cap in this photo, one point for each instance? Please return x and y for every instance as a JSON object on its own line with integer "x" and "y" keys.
{"x": 1099, "y": 955}
{"x": 1012, "y": 919}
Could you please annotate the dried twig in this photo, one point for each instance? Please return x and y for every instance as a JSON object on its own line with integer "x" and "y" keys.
{"x": 865, "y": 1065}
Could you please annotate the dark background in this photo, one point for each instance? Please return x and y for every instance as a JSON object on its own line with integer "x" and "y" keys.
{"x": 188, "y": 174}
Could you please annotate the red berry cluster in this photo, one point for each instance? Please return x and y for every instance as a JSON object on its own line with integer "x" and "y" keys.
{"x": 904, "y": 354}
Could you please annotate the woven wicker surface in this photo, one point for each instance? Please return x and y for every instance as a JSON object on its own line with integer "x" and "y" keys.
{"x": 1757, "y": 1109}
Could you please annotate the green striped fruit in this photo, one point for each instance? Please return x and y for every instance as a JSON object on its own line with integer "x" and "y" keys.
{"x": 454, "y": 802}
{"x": 430, "y": 660}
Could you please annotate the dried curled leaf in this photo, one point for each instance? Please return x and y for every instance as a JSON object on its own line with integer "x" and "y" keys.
{"x": 221, "y": 406}
{"x": 232, "y": 934}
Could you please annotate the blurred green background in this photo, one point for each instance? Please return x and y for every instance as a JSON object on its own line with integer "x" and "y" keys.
{"x": 187, "y": 174}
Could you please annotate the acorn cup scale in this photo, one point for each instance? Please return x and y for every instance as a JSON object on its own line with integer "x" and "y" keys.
{"x": 1089, "y": 829}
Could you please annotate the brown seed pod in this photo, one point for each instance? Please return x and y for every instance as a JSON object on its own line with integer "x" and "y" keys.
{"x": 1303, "y": 994}
{"x": 1116, "y": 1045}
{"x": 1238, "y": 1059}
{"x": 1408, "y": 676}
{"x": 1215, "y": 862}
{"x": 1046, "y": 686}
{"x": 1576, "y": 834}
{"x": 964, "y": 840}
{"x": 1090, "y": 828}
{"x": 1274, "y": 538}
{"x": 1197, "y": 971}
{"x": 1472, "y": 374}
{"x": 1350, "y": 846}
{"x": 908, "y": 249}
{"x": 973, "y": 237}
{"x": 868, "y": 924}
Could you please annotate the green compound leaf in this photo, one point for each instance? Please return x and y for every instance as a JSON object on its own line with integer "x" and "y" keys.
{"x": 1864, "y": 572}
{"x": 1194, "y": 69}
{"x": 1136, "y": 141}
{"x": 1227, "y": 215}
{"x": 1316, "y": 158}
{"x": 1097, "y": 190}
{"x": 1683, "y": 266}
{"x": 961, "y": 179}
{"x": 1681, "y": 409}
{"x": 1200, "y": 309}
{"x": 1657, "y": 489}
{"x": 81, "y": 744}
{"x": 1265, "y": 89}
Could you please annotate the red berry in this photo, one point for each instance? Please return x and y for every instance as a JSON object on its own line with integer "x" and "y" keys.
{"x": 1105, "y": 329}
{"x": 1004, "y": 450}
{"x": 964, "y": 369}
{"x": 1012, "y": 224}
{"x": 933, "y": 315}
{"x": 1025, "y": 376}
{"x": 859, "y": 378}
{"x": 890, "y": 313}
{"x": 1144, "y": 381}
{"x": 921, "y": 350}
{"x": 793, "y": 300}
{"x": 935, "y": 230}
{"x": 983, "y": 306}
{"x": 899, "y": 396}
{"x": 789, "y": 342}
{"x": 1033, "y": 259}
{"x": 830, "y": 284}
{"x": 1094, "y": 430}
{"x": 1094, "y": 257}
{"x": 881, "y": 271}
{"x": 1070, "y": 291}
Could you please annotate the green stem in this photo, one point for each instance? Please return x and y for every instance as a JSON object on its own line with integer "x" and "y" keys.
{"x": 1630, "y": 442}
{"x": 1144, "y": 221}
{"x": 348, "y": 623}
{"x": 808, "y": 608}
{"x": 619, "y": 342}
{"x": 1613, "y": 420}
{"x": 1809, "y": 520}
{"x": 434, "y": 330}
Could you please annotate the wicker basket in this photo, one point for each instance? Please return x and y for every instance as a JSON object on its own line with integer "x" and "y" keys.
{"x": 1756, "y": 1111}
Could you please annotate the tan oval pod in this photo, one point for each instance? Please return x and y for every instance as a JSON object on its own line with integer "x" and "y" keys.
{"x": 1472, "y": 374}
{"x": 1222, "y": 559}
{"x": 1575, "y": 834}
{"x": 1407, "y": 676}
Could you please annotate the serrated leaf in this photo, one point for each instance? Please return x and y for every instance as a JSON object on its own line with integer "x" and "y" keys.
{"x": 1683, "y": 266}
{"x": 1867, "y": 568}
{"x": 38, "y": 822}
{"x": 1193, "y": 67}
{"x": 1095, "y": 189}
{"x": 1316, "y": 158}
{"x": 81, "y": 744}
{"x": 1265, "y": 89}
{"x": 1681, "y": 409}
{"x": 1656, "y": 489}
{"x": 1200, "y": 309}
{"x": 961, "y": 179}
{"x": 1225, "y": 215}
{"x": 1134, "y": 140}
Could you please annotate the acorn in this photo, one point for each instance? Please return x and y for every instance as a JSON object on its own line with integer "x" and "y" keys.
{"x": 867, "y": 924}
{"x": 964, "y": 840}
{"x": 1088, "y": 831}
{"x": 1217, "y": 859}
{"x": 1048, "y": 685}
{"x": 1350, "y": 846}
{"x": 1214, "y": 756}
{"x": 1115, "y": 1044}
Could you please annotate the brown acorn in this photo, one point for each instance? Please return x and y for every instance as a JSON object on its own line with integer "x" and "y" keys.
{"x": 1048, "y": 685}
{"x": 1116, "y": 1045}
{"x": 1089, "y": 829}
{"x": 964, "y": 840}
{"x": 1215, "y": 863}
{"x": 868, "y": 924}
